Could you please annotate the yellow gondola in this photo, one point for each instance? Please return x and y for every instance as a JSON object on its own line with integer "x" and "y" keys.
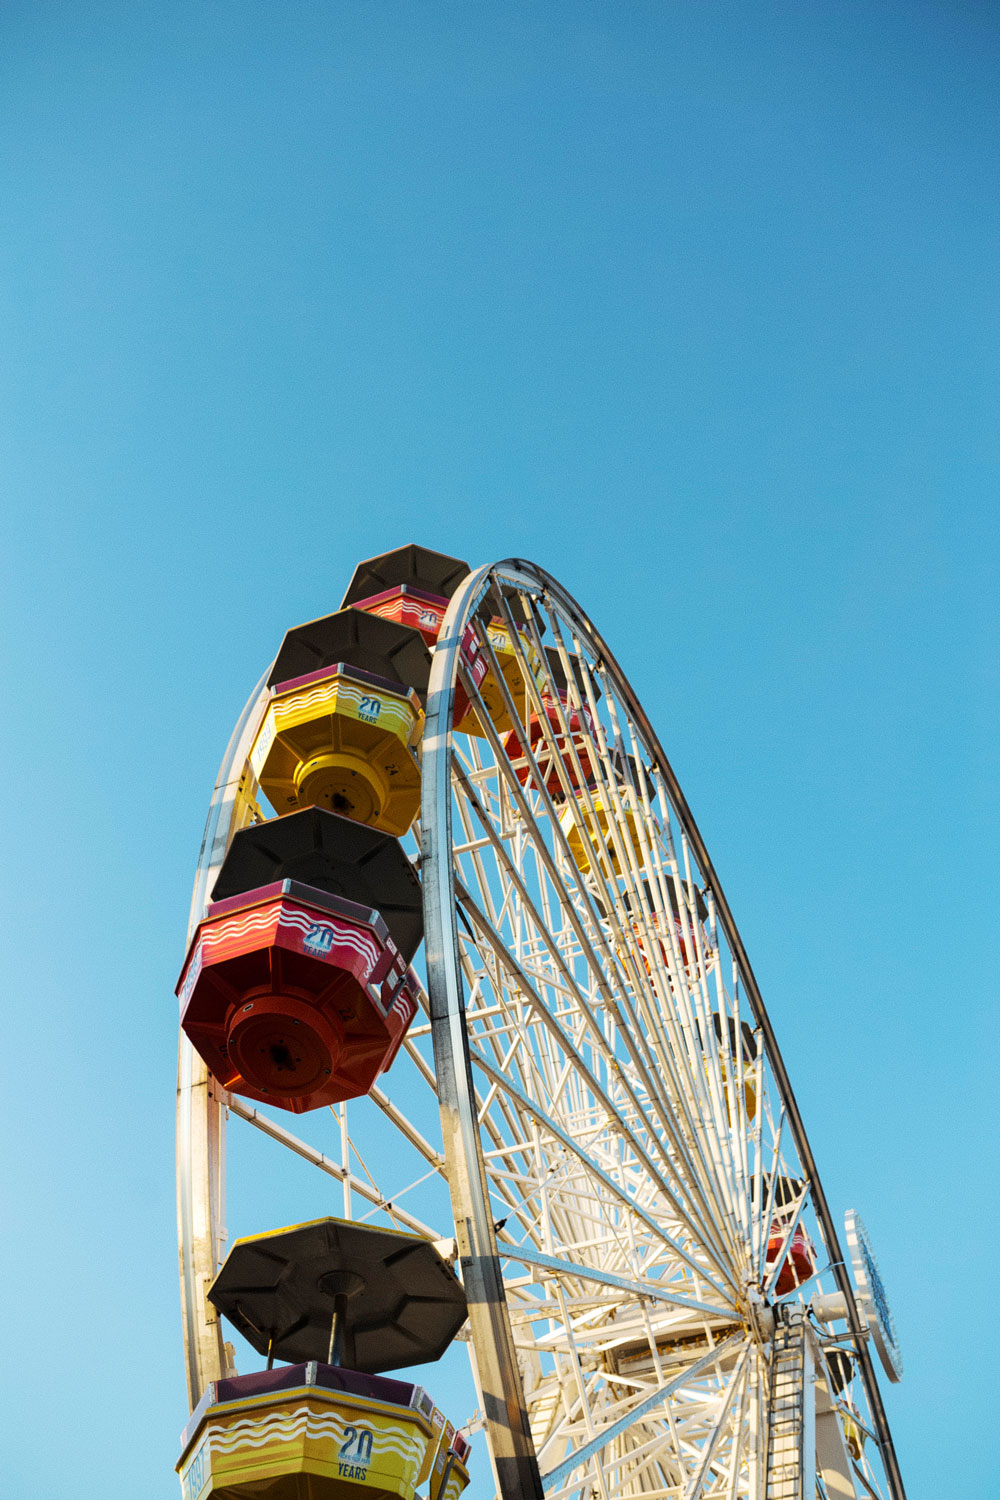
{"x": 581, "y": 829}
{"x": 490, "y": 690}
{"x": 315, "y": 1432}
{"x": 748, "y": 1046}
{"x": 343, "y": 739}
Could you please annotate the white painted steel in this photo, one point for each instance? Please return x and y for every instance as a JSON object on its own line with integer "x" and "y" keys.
{"x": 201, "y": 1141}
{"x": 620, "y": 1137}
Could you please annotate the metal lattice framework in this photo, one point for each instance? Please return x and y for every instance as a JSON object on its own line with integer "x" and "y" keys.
{"x": 597, "y": 1086}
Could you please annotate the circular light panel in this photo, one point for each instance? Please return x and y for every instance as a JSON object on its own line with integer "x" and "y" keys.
{"x": 871, "y": 1294}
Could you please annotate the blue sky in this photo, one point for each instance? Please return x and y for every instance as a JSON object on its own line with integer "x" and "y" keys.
{"x": 696, "y": 306}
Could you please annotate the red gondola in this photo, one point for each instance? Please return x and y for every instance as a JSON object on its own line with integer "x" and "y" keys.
{"x": 800, "y": 1260}
{"x": 295, "y": 997}
{"x": 425, "y": 612}
{"x": 412, "y": 586}
{"x": 541, "y": 742}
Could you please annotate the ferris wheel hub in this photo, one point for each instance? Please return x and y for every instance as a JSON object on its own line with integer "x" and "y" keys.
{"x": 759, "y": 1316}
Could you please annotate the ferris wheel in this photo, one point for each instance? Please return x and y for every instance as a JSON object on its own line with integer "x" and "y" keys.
{"x": 555, "y": 1068}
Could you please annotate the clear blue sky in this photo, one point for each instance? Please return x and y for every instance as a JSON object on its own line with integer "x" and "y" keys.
{"x": 695, "y": 305}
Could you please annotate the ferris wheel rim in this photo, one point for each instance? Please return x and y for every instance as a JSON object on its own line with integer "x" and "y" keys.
{"x": 197, "y": 1191}
{"x": 441, "y": 931}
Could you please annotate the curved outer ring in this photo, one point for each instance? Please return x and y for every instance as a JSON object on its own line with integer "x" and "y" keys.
{"x": 200, "y": 1126}
{"x": 513, "y": 1453}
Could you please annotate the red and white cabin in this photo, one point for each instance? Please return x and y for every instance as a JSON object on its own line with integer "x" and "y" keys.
{"x": 295, "y": 997}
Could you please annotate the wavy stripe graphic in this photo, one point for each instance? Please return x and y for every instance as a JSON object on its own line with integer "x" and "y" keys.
{"x": 290, "y": 1424}
{"x": 238, "y": 928}
{"x": 395, "y": 714}
{"x": 343, "y": 693}
{"x": 403, "y": 1007}
{"x": 284, "y": 1427}
{"x": 289, "y": 916}
{"x": 294, "y": 917}
{"x": 225, "y": 935}
{"x": 299, "y": 1415}
{"x": 341, "y": 934}
{"x": 343, "y": 937}
{"x": 425, "y": 617}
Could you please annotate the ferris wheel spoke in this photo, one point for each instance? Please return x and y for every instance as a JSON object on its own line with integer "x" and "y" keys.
{"x": 733, "y": 1474}
{"x": 734, "y": 1385}
{"x": 755, "y": 1176}
{"x": 596, "y": 1176}
{"x": 554, "y": 1482}
{"x": 786, "y": 1240}
{"x": 655, "y": 1290}
{"x": 718, "y": 1076}
{"x": 740, "y": 1122}
{"x": 523, "y": 981}
{"x": 591, "y": 827}
{"x": 694, "y": 1046}
{"x": 630, "y": 1031}
{"x": 495, "y": 1115}
{"x": 324, "y": 1163}
{"x": 772, "y": 1190}
{"x": 520, "y": 977}
{"x": 546, "y": 1018}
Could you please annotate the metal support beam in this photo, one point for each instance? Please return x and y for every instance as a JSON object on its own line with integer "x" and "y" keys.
{"x": 511, "y": 1448}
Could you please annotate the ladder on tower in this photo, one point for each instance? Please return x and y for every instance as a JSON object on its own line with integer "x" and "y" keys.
{"x": 786, "y": 1411}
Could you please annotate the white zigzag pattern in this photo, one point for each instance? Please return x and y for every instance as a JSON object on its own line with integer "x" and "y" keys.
{"x": 282, "y": 1428}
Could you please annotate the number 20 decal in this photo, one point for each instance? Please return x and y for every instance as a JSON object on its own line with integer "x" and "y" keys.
{"x": 357, "y": 1445}
{"x": 370, "y": 706}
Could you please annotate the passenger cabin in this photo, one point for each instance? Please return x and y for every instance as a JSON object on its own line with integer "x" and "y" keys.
{"x": 313, "y": 1431}
{"x": 413, "y": 586}
{"x": 297, "y": 989}
{"x": 798, "y": 1262}
{"x": 317, "y": 1428}
{"x": 344, "y": 720}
